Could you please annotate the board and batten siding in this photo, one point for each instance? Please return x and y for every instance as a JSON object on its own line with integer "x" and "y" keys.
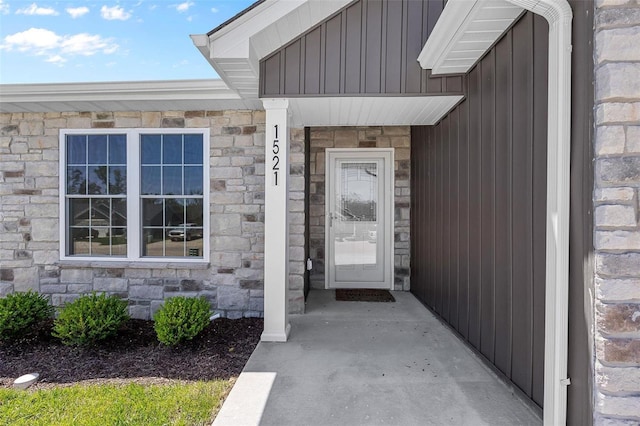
{"x": 479, "y": 208}
{"x": 368, "y": 48}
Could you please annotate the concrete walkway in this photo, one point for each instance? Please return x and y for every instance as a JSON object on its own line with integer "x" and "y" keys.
{"x": 357, "y": 363}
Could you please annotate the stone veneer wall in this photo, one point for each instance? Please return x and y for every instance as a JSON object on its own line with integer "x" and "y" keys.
{"x": 297, "y": 224}
{"x": 233, "y": 280}
{"x": 617, "y": 230}
{"x": 398, "y": 138}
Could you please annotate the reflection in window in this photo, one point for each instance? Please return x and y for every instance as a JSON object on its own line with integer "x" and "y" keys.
{"x": 359, "y": 192}
{"x": 170, "y": 177}
{"x": 355, "y": 227}
{"x": 96, "y": 190}
{"x": 172, "y": 227}
{"x": 172, "y": 187}
{"x": 96, "y": 164}
{"x": 171, "y": 164}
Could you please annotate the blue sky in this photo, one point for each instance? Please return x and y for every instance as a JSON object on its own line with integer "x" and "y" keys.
{"x": 85, "y": 40}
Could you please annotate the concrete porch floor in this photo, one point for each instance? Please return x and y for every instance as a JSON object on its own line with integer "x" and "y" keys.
{"x": 359, "y": 363}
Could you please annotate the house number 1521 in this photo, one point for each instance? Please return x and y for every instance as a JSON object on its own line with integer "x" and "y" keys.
{"x": 276, "y": 157}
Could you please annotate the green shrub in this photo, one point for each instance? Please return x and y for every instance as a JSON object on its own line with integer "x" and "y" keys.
{"x": 181, "y": 318}
{"x": 89, "y": 319}
{"x": 22, "y": 314}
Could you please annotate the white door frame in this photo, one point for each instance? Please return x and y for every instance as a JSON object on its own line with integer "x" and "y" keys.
{"x": 364, "y": 153}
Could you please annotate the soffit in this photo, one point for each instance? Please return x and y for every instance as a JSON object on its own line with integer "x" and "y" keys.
{"x": 465, "y": 31}
{"x": 370, "y": 111}
{"x": 122, "y": 96}
{"x": 235, "y": 50}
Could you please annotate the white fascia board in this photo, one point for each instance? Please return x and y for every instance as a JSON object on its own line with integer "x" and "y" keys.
{"x": 232, "y": 40}
{"x": 259, "y": 32}
{"x": 454, "y": 16}
{"x": 202, "y": 43}
{"x": 465, "y": 30}
{"x": 293, "y": 24}
{"x": 270, "y": 26}
{"x": 127, "y": 90}
{"x": 254, "y": 60}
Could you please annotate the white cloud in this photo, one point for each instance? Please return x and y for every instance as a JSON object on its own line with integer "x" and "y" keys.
{"x": 183, "y": 7}
{"x": 58, "y": 48}
{"x": 214, "y": 10}
{"x": 114, "y": 13}
{"x": 4, "y": 8}
{"x": 77, "y": 12}
{"x": 87, "y": 45}
{"x": 34, "y": 39}
{"x": 56, "y": 59}
{"x": 35, "y": 10}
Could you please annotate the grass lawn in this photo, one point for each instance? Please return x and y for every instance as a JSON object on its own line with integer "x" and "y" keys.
{"x": 188, "y": 403}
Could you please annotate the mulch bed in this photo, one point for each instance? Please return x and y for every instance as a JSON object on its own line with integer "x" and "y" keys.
{"x": 219, "y": 352}
{"x": 364, "y": 295}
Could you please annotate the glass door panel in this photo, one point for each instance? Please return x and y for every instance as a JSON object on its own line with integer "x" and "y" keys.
{"x": 356, "y": 220}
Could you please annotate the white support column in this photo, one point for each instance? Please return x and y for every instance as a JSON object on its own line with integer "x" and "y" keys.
{"x": 276, "y": 223}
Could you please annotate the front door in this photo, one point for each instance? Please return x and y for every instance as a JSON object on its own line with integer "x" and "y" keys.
{"x": 359, "y": 220}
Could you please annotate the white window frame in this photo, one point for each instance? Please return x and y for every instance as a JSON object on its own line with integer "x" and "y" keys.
{"x": 134, "y": 200}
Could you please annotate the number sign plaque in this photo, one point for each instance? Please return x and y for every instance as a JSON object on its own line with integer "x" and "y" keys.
{"x": 276, "y": 156}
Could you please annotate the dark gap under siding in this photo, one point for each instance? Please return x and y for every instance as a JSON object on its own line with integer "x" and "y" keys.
{"x": 581, "y": 275}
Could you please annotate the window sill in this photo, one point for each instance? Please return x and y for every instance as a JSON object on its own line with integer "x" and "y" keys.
{"x": 129, "y": 264}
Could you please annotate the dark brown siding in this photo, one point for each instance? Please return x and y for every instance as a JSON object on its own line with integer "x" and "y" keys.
{"x": 479, "y": 208}
{"x": 368, "y": 48}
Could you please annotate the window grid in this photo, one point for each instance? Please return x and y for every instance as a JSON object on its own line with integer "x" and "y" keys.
{"x": 166, "y": 228}
{"x": 92, "y": 229}
{"x": 132, "y": 174}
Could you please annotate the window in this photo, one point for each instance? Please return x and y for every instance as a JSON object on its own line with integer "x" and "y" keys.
{"x": 134, "y": 194}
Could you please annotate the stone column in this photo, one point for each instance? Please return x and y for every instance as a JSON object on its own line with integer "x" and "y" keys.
{"x": 617, "y": 230}
{"x": 276, "y": 222}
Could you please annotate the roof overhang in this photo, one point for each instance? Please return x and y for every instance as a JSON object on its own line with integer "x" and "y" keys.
{"x": 235, "y": 49}
{"x": 370, "y": 111}
{"x": 123, "y": 96}
{"x": 464, "y": 32}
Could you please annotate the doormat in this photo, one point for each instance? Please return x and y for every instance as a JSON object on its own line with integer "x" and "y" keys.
{"x": 364, "y": 295}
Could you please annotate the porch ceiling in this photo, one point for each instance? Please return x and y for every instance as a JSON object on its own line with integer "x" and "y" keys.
{"x": 464, "y": 32}
{"x": 370, "y": 111}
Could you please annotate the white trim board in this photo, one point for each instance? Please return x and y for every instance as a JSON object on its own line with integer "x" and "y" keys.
{"x": 464, "y": 32}
{"x": 123, "y": 96}
{"x": 235, "y": 50}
